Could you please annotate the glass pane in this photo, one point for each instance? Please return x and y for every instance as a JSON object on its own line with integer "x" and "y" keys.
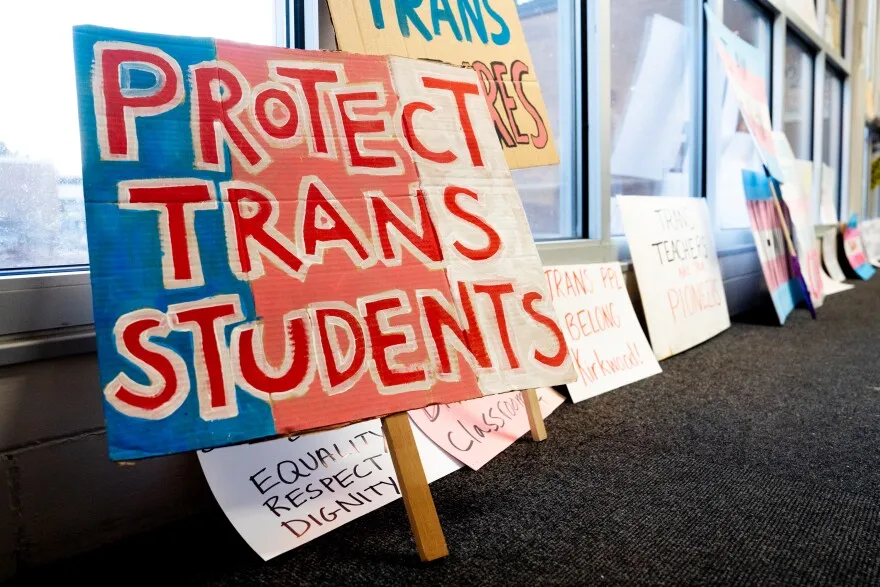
{"x": 797, "y": 115}
{"x": 732, "y": 147}
{"x": 651, "y": 111}
{"x": 832, "y": 116}
{"x": 42, "y": 218}
{"x": 548, "y": 193}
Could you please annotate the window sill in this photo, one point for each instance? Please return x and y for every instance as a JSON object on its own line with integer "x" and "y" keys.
{"x": 46, "y": 301}
{"x": 46, "y": 344}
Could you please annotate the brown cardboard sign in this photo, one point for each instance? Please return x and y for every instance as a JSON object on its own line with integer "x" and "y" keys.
{"x": 485, "y": 34}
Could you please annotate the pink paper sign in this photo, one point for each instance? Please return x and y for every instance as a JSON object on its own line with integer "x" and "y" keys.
{"x": 475, "y": 431}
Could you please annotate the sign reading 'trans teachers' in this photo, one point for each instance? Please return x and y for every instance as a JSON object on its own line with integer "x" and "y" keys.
{"x": 670, "y": 240}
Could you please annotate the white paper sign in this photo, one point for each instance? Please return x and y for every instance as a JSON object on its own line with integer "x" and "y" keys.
{"x": 827, "y": 209}
{"x": 600, "y": 326}
{"x": 871, "y": 239}
{"x": 282, "y": 493}
{"x": 833, "y": 287}
{"x": 670, "y": 241}
{"x": 829, "y": 255}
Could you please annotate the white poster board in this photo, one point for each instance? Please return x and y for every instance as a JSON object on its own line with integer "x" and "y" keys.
{"x": 833, "y": 287}
{"x": 871, "y": 239}
{"x": 281, "y": 493}
{"x": 827, "y": 208}
{"x": 604, "y": 336}
{"x": 670, "y": 241}
{"x": 829, "y": 259}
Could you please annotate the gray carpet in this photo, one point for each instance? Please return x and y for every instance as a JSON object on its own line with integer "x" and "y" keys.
{"x": 752, "y": 459}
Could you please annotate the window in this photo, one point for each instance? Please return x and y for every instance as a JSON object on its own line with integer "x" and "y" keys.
{"x": 832, "y": 117}
{"x": 797, "y": 114}
{"x": 729, "y": 144}
{"x": 651, "y": 73}
{"x": 551, "y": 195}
{"x": 42, "y": 217}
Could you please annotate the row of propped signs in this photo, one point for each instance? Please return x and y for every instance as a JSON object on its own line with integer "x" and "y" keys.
{"x": 280, "y": 494}
{"x": 287, "y": 241}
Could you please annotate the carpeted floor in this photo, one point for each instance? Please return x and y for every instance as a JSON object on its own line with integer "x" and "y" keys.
{"x": 752, "y": 459}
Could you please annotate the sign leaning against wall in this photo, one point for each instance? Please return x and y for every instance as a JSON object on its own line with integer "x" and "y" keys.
{"x": 286, "y": 240}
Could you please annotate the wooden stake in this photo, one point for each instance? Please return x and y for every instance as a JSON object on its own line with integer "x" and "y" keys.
{"x": 536, "y": 419}
{"x": 414, "y": 487}
{"x": 782, "y": 221}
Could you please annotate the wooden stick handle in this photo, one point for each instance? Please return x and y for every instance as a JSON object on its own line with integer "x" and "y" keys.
{"x": 782, "y": 221}
{"x": 414, "y": 489}
{"x": 536, "y": 419}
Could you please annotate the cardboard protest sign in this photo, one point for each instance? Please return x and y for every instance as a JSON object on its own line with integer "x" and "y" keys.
{"x": 486, "y": 35}
{"x": 829, "y": 256}
{"x": 827, "y": 208}
{"x": 854, "y": 251}
{"x": 604, "y": 336}
{"x": 783, "y": 284}
{"x": 476, "y": 431}
{"x": 673, "y": 252}
{"x": 286, "y": 240}
{"x": 745, "y": 67}
{"x": 280, "y": 494}
{"x": 796, "y": 195}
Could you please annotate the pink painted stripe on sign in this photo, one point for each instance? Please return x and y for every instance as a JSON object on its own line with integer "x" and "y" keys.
{"x": 755, "y": 85}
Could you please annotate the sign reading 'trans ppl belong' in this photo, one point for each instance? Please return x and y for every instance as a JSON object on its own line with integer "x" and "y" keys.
{"x": 285, "y": 240}
{"x": 670, "y": 241}
{"x": 604, "y": 337}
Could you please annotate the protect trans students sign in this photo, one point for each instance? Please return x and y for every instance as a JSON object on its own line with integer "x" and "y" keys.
{"x": 286, "y": 240}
